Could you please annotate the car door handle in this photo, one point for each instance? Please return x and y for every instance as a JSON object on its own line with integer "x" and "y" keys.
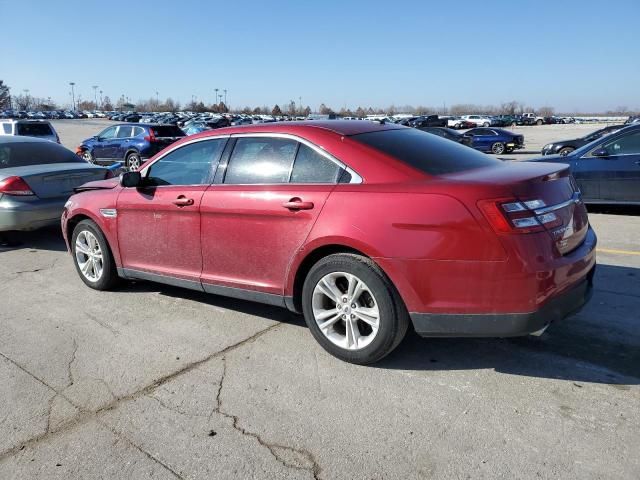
{"x": 183, "y": 201}
{"x": 297, "y": 204}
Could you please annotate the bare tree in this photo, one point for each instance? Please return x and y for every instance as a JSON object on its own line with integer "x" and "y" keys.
{"x": 276, "y": 110}
{"x": 5, "y": 95}
{"x": 546, "y": 111}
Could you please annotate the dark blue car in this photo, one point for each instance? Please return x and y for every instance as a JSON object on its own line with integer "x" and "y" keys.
{"x": 607, "y": 170}
{"x": 495, "y": 140}
{"x": 128, "y": 144}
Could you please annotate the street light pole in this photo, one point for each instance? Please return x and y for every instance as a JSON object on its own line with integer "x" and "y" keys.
{"x": 73, "y": 96}
{"x": 95, "y": 95}
{"x": 216, "y": 90}
{"x": 100, "y": 99}
{"x": 225, "y": 97}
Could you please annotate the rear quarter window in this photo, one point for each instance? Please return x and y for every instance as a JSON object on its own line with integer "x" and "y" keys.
{"x": 167, "y": 131}
{"x": 426, "y": 152}
{"x": 34, "y": 129}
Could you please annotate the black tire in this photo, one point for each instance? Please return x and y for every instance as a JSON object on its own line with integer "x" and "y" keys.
{"x": 109, "y": 278}
{"x": 539, "y": 122}
{"x": 486, "y": 124}
{"x": 87, "y": 156}
{"x": 498, "y": 148}
{"x": 566, "y": 151}
{"x": 133, "y": 161}
{"x": 394, "y": 319}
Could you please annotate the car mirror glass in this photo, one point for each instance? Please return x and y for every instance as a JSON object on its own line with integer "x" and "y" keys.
{"x": 600, "y": 152}
{"x": 131, "y": 179}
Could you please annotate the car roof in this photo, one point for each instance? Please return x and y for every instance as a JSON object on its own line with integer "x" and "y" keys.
{"x": 340, "y": 127}
{"x": 23, "y": 139}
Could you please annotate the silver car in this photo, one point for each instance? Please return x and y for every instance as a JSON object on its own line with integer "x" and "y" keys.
{"x": 29, "y": 128}
{"x": 36, "y": 179}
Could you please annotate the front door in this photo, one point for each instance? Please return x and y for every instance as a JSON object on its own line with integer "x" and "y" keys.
{"x": 260, "y": 213}
{"x": 102, "y": 145}
{"x": 620, "y": 175}
{"x": 159, "y": 223}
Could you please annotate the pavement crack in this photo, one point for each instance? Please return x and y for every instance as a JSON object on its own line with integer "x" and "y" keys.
{"x": 151, "y": 457}
{"x": 87, "y": 415}
{"x": 70, "y": 378}
{"x": 36, "y": 270}
{"x": 174, "y": 408}
{"x": 104, "y": 325}
{"x": 274, "y": 448}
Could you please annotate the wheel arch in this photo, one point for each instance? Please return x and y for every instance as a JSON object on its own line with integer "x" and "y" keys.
{"x": 76, "y": 218}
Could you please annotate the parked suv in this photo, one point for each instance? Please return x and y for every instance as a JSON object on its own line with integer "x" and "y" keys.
{"x": 478, "y": 120}
{"x": 129, "y": 144}
{"x": 29, "y": 128}
{"x": 289, "y": 214}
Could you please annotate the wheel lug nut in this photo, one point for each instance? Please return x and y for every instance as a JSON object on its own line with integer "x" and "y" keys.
{"x": 344, "y": 317}
{"x": 352, "y": 316}
{"x": 353, "y": 305}
{"x": 344, "y": 300}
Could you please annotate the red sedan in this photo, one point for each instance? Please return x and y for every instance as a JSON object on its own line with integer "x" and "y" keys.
{"x": 362, "y": 227}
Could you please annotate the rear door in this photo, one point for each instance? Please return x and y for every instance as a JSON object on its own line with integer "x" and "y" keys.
{"x": 260, "y": 211}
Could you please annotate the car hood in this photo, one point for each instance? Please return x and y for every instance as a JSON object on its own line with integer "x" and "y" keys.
{"x": 108, "y": 184}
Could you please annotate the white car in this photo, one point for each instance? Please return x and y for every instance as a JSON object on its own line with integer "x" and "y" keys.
{"x": 29, "y": 128}
{"x": 479, "y": 120}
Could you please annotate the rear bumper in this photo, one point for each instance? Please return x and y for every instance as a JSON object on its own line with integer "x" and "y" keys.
{"x": 29, "y": 216}
{"x": 505, "y": 324}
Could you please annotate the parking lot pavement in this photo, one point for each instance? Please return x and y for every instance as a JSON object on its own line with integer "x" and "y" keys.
{"x": 154, "y": 381}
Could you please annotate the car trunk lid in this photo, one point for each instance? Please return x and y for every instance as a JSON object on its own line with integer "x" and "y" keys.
{"x": 534, "y": 197}
{"x": 59, "y": 180}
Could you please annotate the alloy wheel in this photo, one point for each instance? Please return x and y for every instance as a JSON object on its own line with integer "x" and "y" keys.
{"x": 345, "y": 310}
{"x": 89, "y": 256}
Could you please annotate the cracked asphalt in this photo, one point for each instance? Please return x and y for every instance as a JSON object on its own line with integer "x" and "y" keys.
{"x": 151, "y": 381}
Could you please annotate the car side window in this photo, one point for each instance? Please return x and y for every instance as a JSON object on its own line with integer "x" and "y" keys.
{"x": 627, "y": 145}
{"x": 108, "y": 133}
{"x": 7, "y": 128}
{"x": 261, "y": 160}
{"x": 193, "y": 164}
{"x": 311, "y": 167}
{"x": 137, "y": 132}
{"x": 124, "y": 132}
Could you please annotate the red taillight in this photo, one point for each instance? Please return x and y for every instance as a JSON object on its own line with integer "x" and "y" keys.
{"x": 15, "y": 186}
{"x": 508, "y": 215}
{"x": 151, "y": 137}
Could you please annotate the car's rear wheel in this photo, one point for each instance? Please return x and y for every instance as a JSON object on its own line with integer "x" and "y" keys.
{"x": 498, "y": 148}
{"x": 87, "y": 156}
{"x": 92, "y": 256}
{"x": 352, "y": 309}
{"x": 133, "y": 162}
{"x": 539, "y": 122}
{"x": 566, "y": 151}
{"x": 486, "y": 124}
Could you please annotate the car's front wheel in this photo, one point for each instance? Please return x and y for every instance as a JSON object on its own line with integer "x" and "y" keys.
{"x": 133, "y": 162}
{"x": 486, "y": 124}
{"x": 352, "y": 309}
{"x": 498, "y": 148}
{"x": 87, "y": 156}
{"x": 566, "y": 151}
{"x": 92, "y": 256}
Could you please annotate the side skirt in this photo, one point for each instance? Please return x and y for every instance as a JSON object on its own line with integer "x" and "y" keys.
{"x": 240, "y": 293}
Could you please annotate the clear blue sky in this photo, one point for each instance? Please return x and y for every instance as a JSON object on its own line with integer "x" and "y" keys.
{"x": 574, "y": 55}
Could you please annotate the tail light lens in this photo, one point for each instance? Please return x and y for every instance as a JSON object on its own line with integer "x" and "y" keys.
{"x": 151, "y": 137}
{"x": 15, "y": 186}
{"x": 510, "y": 216}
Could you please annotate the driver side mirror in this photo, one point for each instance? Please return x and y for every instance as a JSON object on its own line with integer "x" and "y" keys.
{"x": 131, "y": 179}
{"x": 600, "y": 152}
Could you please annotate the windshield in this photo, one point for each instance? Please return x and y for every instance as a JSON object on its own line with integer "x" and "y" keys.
{"x": 426, "y": 152}
{"x": 22, "y": 154}
{"x": 34, "y": 129}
